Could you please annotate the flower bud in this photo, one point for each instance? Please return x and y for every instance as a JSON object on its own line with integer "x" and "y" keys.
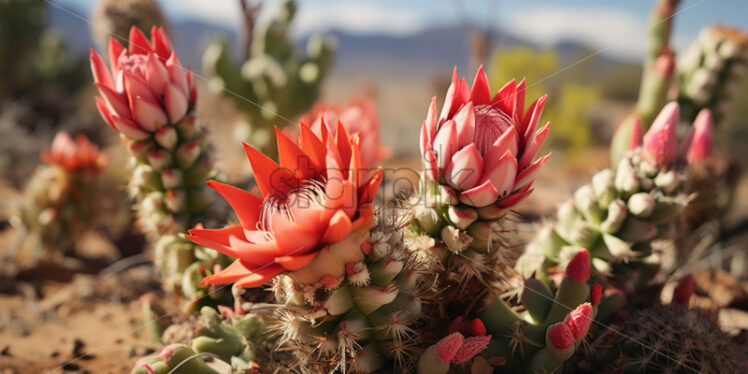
{"x": 159, "y": 159}
{"x": 166, "y": 137}
{"x": 586, "y": 202}
{"x": 187, "y": 154}
{"x": 602, "y": 186}
{"x": 461, "y": 217}
{"x": 171, "y": 178}
{"x": 641, "y": 204}
{"x": 668, "y": 181}
{"x": 626, "y": 180}
{"x": 428, "y": 218}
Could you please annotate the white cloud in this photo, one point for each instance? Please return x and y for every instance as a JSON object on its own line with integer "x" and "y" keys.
{"x": 360, "y": 17}
{"x": 618, "y": 33}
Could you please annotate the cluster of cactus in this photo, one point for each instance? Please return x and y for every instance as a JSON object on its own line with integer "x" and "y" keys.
{"x": 274, "y": 84}
{"x": 114, "y": 18}
{"x": 622, "y": 210}
{"x": 58, "y": 204}
{"x": 710, "y": 73}
{"x": 150, "y": 99}
{"x": 235, "y": 339}
{"x": 540, "y": 338}
{"x": 358, "y": 322}
{"x": 671, "y": 338}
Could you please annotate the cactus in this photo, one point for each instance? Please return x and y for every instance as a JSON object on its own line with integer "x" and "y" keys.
{"x": 710, "y": 73}
{"x": 234, "y": 339}
{"x": 59, "y": 199}
{"x": 361, "y": 321}
{"x": 479, "y": 157}
{"x": 275, "y": 83}
{"x": 114, "y": 18}
{"x": 620, "y": 213}
{"x": 552, "y": 325}
{"x": 659, "y": 66}
{"x": 466, "y": 339}
{"x": 667, "y": 339}
{"x": 150, "y": 100}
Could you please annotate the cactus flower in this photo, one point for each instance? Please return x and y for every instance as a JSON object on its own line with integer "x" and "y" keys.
{"x": 314, "y": 197}
{"x": 700, "y": 146}
{"x": 561, "y": 336}
{"x": 661, "y": 139}
{"x": 481, "y": 147}
{"x": 578, "y": 268}
{"x": 579, "y": 320}
{"x": 78, "y": 155}
{"x": 359, "y": 116}
{"x": 145, "y": 86}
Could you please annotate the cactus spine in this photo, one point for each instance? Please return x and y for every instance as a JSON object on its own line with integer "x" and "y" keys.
{"x": 359, "y": 322}
{"x": 274, "y": 84}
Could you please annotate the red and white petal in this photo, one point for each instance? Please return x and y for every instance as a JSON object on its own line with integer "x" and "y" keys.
{"x": 175, "y": 103}
{"x": 533, "y": 146}
{"x": 114, "y": 99}
{"x": 508, "y": 141}
{"x": 504, "y": 100}
{"x": 465, "y": 123}
{"x": 156, "y": 75}
{"x": 532, "y": 117}
{"x": 445, "y": 144}
{"x": 176, "y": 73}
{"x": 100, "y": 72}
{"x": 481, "y": 93}
{"x": 465, "y": 169}
{"x": 114, "y": 52}
{"x": 129, "y": 128}
{"x": 502, "y": 173}
{"x": 139, "y": 44}
{"x": 135, "y": 86}
{"x": 148, "y": 114}
{"x": 480, "y": 196}
{"x": 528, "y": 174}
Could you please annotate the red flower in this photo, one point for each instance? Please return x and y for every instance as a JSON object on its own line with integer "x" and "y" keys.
{"x": 359, "y": 117}
{"x": 74, "y": 155}
{"x": 314, "y": 198}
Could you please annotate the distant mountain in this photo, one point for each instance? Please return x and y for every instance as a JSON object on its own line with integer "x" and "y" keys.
{"x": 434, "y": 49}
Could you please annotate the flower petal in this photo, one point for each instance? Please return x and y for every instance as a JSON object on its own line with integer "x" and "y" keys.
{"x": 270, "y": 177}
{"x": 175, "y": 103}
{"x": 445, "y": 144}
{"x": 161, "y": 43}
{"x": 531, "y": 118}
{"x": 148, "y": 114}
{"x": 100, "y": 72}
{"x": 528, "y": 174}
{"x": 532, "y": 148}
{"x": 259, "y": 277}
{"x": 338, "y": 229}
{"x": 481, "y": 94}
{"x": 292, "y": 263}
{"x": 465, "y": 124}
{"x": 217, "y": 239}
{"x": 504, "y": 100}
{"x": 246, "y": 205}
{"x": 480, "y": 196}
{"x": 464, "y": 170}
{"x": 291, "y": 157}
{"x": 156, "y": 75}
{"x": 231, "y": 274}
{"x": 502, "y": 173}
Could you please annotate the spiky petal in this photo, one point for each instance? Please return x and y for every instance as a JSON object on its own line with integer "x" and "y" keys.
{"x": 661, "y": 140}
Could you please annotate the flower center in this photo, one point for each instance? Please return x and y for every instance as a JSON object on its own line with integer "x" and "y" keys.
{"x": 281, "y": 207}
{"x": 490, "y": 124}
{"x": 133, "y": 64}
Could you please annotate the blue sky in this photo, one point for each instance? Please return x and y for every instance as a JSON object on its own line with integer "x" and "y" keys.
{"x": 616, "y": 26}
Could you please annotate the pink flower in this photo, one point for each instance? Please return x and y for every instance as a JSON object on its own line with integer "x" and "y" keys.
{"x": 578, "y": 268}
{"x": 700, "y": 146}
{"x": 359, "y": 117}
{"x": 145, "y": 86}
{"x": 484, "y": 148}
{"x": 661, "y": 139}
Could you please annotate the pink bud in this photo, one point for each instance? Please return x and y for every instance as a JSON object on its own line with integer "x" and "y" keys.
{"x": 579, "y": 320}
{"x": 660, "y": 141}
{"x": 701, "y": 144}
{"x": 560, "y": 335}
{"x": 636, "y": 134}
{"x": 449, "y": 345}
{"x": 477, "y": 327}
{"x": 166, "y": 353}
{"x": 578, "y": 268}
{"x": 471, "y": 347}
{"x": 596, "y": 292}
{"x": 684, "y": 290}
